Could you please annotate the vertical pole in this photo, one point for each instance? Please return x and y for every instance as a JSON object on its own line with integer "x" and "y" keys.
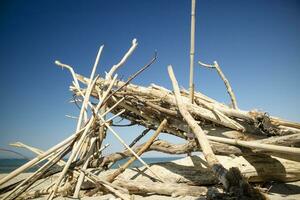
{"x": 192, "y": 51}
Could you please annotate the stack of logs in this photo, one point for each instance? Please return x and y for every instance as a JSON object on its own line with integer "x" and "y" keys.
{"x": 208, "y": 126}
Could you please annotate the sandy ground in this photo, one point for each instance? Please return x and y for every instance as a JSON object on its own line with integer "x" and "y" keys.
{"x": 277, "y": 191}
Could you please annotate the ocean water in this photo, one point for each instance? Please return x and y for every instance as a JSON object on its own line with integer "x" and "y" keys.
{"x": 8, "y": 165}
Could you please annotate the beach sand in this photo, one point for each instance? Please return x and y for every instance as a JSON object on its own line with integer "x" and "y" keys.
{"x": 277, "y": 191}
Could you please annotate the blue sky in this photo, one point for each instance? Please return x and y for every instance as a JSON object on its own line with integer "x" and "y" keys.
{"x": 255, "y": 42}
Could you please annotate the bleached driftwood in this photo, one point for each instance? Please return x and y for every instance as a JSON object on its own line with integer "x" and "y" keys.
{"x": 109, "y": 127}
{"x": 123, "y": 60}
{"x": 225, "y": 80}
{"x": 230, "y": 179}
{"x": 217, "y": 128}
{"x": 194, "y": 170}
{"x": 122, "y": 168}
{"x": 253, "y": 122}
{"x": 169, "y": 189}
{"x": 40, "y": 158}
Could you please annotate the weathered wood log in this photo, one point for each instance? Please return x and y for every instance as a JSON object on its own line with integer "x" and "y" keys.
{"x": 169, "y": 98}
{"x": 166, "y": 147}
{"x": 194, "y": 170}
{"x": 170, "y": 189}
{"x": 137, "y": 96}
{"x": 231, "y": 179}
{"x": 192, "y": 146}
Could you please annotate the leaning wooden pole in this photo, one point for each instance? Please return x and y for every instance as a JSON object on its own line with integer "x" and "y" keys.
{"x": 200, "y": 135}
{"x": 232, "y": 179}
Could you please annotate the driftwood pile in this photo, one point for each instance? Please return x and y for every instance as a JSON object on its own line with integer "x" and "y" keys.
{"x": 208, "y": 126}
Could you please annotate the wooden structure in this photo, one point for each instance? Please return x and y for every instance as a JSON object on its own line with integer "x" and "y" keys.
{"x": 215, "y": 128}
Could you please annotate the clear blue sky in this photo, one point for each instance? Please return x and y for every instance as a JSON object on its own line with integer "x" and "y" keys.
{"x": 256, "y": 43}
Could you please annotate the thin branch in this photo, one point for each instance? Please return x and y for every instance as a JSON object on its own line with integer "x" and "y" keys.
{"x": 225, "y": 80}
{"x": 132, "y": 77}
{"x": 123, "y": 60}
{"x": 139, "y": 137}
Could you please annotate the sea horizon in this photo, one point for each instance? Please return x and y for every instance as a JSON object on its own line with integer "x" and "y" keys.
{"x": 7, "y": 165}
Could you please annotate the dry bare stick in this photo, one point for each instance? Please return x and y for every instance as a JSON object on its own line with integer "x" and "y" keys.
{"x": 40, "y": 158}
{"x": 111, "y": 187}
{"x": 226, "y": 82}
{"x": 285, "y": 123}
{"x": 72, "y": 117}
{"x": 85, "y": 165}
{"x": 134, "y": 110}
{"x": 22, "y": 145}
{"x": 89, "y": 89}
{"x": 123, "y": 60}
{"x": 139, "y": 137}
{"x": 72, "y": 156}
{"x": 257, "y": 145}
{"x": 113, "y": 117}
{"x": 40, "y": 152}
{"x": 61, "y": 162}
{"x": 35, "y": 150}
{"x": 286, "y": 140}
{"x": 77, "y": 146}
{"x": 221, "y": 173}
{"x": 100, "y": 150}
{"x": 220, "y": 114}
{"x": 75, "y": 80}
{"x": 82, "y": 149}
{"x": 130, "y": 78}
{"x": 114, "y": 106}
{"x": 118, "y": 137}
{"x": 35, "y": 176}
{"x": 169, "y": 98}
{"x": 103, "y": 112}
{"x": 116, "y": 173}
{"x": 102, "y": 131}
{"x": 62, "y": 65}
{"x": 88, "y": 92}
